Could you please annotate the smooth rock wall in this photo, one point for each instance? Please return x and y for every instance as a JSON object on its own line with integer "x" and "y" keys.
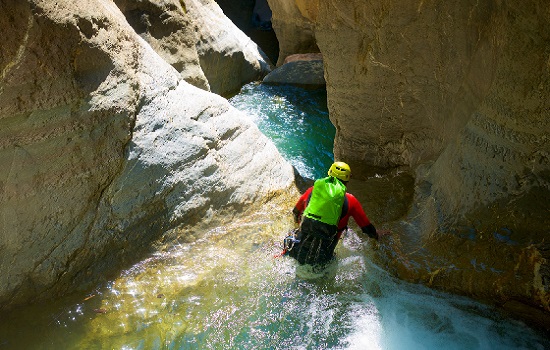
{"x": 228, "y": 57}
{"x": 104, "y": 147}
{"x": 493, "y": 179}
{"x": 197, "y": 39}
{"x": 170, "y": 30}
{"x": 294, "y": 22}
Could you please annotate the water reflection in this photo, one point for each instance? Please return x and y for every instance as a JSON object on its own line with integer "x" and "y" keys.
{"x": 227, "y": 291}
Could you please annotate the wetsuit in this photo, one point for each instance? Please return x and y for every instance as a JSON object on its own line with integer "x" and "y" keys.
{"x": 318, "y": 241}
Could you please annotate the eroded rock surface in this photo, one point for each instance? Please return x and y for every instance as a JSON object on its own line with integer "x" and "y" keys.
{"x": 228, "y": 57}
{"x": 197, "y": 39}
{"x": 104, "y": 147}
{"x": 169, "y": 29}
{"x": 458, "y": 94}
{"x": 294, "y": 22}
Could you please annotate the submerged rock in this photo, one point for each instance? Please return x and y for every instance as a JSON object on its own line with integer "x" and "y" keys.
{"x": 106, "y": 147}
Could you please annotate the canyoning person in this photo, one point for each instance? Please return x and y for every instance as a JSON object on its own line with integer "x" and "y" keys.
{"x": 323, "y": 212}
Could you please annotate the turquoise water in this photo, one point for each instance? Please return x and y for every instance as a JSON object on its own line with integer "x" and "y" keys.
{"x": 227, "y": 291}
{"x": 296, "y": 120}
{"x": 224, "y": 289}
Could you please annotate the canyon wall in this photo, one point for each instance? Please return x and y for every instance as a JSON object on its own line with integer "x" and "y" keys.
{"x": 197, "y": 39}
{"x": 294, "y": 24}
{"x": 104, "y": 146}
{"x": 457, "y": 94}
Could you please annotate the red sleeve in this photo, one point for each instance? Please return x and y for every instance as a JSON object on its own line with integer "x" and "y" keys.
{"x": 356, "y": 211}
{"x": 302, "y": 202}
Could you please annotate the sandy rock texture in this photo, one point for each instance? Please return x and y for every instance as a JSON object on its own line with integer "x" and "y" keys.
{"x": 104, "y": 147}
{"x": 170, "y": 30}
{"x": 294, "y": 22}
{"x": 457, "y": 94}
{"x": 228, "y": 57}
{"x": 197, "y": 39}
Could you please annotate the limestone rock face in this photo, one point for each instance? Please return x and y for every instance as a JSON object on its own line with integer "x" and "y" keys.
{"x": 253, "y": 17}
{"x": 170, "y": 31}
{"x": 294, "y": 22}
{"x": 458, "y": 94}
{"x": 409, "y": 83}
{"x": 197, "y": 39}
{"x": 228, "y": 57}
{"x": 104, "y": 146}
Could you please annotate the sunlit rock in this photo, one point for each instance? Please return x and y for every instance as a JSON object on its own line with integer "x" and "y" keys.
{"x": 104, "y": 147}
{"x": 228, "y": 57}
{"x": 197, "y": 39}
{"x": 169, "y": 29}
{"x": 294, "y": 23}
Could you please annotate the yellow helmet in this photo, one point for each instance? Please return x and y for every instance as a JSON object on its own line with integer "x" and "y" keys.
{"x": 340, "y": 170}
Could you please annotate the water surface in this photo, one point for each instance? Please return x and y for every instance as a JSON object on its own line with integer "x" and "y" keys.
{"x": 296, "y": 120}
{"x": 226, "y": 290}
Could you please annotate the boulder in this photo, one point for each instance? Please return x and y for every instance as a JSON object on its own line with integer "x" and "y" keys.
{"x": 106, "y": 148}
{"x": 304, "y": 70}
{"x": 303, "y": 57}
{"x": 228, "y": 57}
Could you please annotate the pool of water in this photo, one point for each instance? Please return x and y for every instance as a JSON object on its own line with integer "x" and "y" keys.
{"x": 225, "y": 289}
{"x": 296, "y": 120}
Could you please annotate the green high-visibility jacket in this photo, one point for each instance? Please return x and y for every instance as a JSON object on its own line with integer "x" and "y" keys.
{"x": 327, "y": 199}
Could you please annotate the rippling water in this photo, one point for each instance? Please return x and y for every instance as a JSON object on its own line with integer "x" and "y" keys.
{"x": 226, "y": 290}
{"x": 296, "y": 120}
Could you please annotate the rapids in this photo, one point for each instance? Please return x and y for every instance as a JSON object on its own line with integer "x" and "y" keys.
{"x": 224, "y": 289}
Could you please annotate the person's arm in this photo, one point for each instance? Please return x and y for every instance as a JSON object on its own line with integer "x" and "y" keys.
{"x": 300, "y": 206}
{"x": 372, "y": 232}
{"x": 358, "y": 214}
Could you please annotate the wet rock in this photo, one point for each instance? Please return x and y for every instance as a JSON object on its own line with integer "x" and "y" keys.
{"x": 106, "y": 147}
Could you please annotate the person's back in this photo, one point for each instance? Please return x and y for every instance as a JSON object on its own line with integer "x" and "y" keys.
{"x": 323, "y": 212}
